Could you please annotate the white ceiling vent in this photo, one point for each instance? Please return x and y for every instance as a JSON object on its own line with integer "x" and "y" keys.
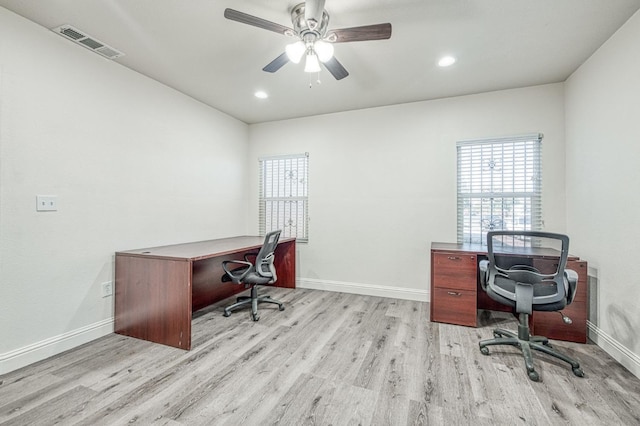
{"x": 87, "y": 41}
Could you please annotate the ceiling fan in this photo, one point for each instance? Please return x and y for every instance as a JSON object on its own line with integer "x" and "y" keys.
{"x": 315, "y": 41}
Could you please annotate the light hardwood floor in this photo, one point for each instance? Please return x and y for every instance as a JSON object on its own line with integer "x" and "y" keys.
{"x": 328, "y": 359}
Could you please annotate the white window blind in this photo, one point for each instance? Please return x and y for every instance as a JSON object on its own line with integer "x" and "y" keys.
{"x": 499, "y": 186}
{"x": 283, "y": 200}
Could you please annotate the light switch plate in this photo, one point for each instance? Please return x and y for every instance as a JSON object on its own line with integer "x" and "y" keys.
{"x": 46, "y": 203}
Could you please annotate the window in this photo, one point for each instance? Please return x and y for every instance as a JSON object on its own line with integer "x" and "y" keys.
{"x": 499, "y": 186}
{"x": 283, "y": 200}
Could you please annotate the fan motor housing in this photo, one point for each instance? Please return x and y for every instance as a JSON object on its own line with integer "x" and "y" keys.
{"x": 301, "y": 27}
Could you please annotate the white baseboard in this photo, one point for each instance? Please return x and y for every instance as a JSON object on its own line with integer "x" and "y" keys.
{"x": 364, "y": 289}
{"x": 618, "y": 351}
{"x": 44, "y": 349}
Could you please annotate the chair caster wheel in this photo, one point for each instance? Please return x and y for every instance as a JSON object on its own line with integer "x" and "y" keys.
{"x": 533, "y": 375}
{"x": 578, "y": 372}
{"x": 281, "y": 308}
{"x": 484, "y": 350}
{"x": 255, "y": 317}
{"x": 226, "y": 314}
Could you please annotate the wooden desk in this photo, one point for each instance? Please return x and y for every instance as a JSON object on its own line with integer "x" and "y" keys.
{"x": 456, "y": 293}
{"x": 158, "y": 288}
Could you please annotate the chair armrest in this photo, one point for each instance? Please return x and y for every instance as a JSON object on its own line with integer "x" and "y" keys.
{"x": 572, "y": 279}
{"x": 483, "y": 266}
{"x": 248, "y": 255}
{"x": 245, "y": 269}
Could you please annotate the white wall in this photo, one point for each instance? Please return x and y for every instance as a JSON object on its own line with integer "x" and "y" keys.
{"x": 603, "y": 177}
{"x": 133, "y": 163}
{"x": 383, "y": 182}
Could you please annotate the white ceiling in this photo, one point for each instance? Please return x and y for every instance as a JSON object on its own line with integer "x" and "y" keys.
{"x": 190, "y": 46}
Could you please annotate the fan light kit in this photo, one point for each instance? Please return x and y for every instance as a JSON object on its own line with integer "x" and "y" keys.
{"x": 315, "y": 42}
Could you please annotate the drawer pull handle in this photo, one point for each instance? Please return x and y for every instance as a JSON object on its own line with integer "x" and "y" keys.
{"x": 453, "y": 293}
{"x": 453, "y": 258}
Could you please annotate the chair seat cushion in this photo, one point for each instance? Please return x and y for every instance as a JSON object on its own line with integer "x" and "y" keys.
{"x": 254, "y": 278}
{"x": 251, "y": 278}
{"x": 539, "y": 290}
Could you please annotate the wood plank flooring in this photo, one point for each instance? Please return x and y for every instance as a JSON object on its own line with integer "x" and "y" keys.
{"x": 328, "y": 359}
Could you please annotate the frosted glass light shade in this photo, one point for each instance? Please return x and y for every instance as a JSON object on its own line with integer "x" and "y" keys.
{"x": 295, "y": 51}
{"x": 324, "y": 50}
{"x": 312, "y": 64}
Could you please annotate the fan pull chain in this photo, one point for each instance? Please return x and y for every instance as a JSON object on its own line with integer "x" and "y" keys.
{"x": 318, "y": 82}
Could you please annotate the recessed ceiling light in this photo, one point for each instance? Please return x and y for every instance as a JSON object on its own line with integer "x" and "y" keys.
{"x": 261, "y": 95}
{"x": 446, "y": 61}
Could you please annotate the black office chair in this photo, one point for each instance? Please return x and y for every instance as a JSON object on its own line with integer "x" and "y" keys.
{"x": 260, "y": 272}
{"x": 526, "y": 289}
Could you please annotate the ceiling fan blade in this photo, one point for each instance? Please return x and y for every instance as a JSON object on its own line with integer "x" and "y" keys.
{"x": 277, "y": 63}
{"x": 313, "y": 11}
{"x": 336, "y": 69}
{"x": 364, "y": 33}
{"x": 245, "y": 18}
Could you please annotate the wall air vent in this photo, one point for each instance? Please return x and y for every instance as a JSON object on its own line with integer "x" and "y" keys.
{"x": 87, "y": 41}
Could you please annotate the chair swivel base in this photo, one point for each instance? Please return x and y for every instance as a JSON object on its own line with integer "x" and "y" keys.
{"x": 525, "y": 342}
{"x": 252, "y": 300}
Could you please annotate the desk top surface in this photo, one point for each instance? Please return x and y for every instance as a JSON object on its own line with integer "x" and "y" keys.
{"x": 540, "y": 252}
{"x": 201, "y": 249}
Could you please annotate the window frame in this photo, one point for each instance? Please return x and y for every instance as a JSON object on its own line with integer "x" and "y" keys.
{"x": 282, "y": 200}
{"x": 486, "y": 201}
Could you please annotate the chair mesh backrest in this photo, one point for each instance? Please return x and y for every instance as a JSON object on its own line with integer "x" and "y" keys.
{"x": 511, "y": 267}
{"x": 264, "y": 259}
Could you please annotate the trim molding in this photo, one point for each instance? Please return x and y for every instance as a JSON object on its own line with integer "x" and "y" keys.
{"x": 13, "y": 360}
{"x": 364, "y": 289}
{"x": 618, "y": 351}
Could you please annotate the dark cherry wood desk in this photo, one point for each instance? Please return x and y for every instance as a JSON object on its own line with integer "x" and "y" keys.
{"x": 456, "y": 294}
{"x": 158, "y": 288}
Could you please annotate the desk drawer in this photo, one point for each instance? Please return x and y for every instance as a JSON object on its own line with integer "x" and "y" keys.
{"x": 581, "y": 269}
{"x": 454, "y": 306}
{"x": 455, "y": 271}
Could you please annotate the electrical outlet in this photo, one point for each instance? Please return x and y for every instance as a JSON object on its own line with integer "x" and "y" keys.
{"x": 107, "y": 289}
